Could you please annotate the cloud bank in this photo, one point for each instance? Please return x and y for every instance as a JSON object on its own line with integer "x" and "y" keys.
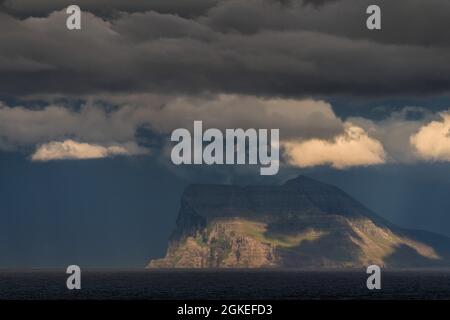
{"x": 254, "y": 47}
{"x": 93, "y": 123}
{"x": 311, "y": 133}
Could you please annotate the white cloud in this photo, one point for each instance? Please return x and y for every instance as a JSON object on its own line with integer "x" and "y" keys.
{"x": 432, "y": 141}
{"x": 70, "y": 149}
{"x": 352, "y": 148}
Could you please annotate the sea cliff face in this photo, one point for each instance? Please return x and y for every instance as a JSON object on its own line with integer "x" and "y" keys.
{"x": 300, "y": 224}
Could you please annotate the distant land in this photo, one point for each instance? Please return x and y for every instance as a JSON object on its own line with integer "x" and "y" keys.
{"x": 302, "y": 223}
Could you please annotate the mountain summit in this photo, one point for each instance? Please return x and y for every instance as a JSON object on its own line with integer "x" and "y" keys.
{"x": 300, "y": 224}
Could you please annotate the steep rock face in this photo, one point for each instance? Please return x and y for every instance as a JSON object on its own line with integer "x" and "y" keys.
{"x": 302, "y": 223}
{"x": 224, "y": 243}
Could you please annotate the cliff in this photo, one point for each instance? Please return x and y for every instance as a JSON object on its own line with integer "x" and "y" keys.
{"x": 300, "y": 224}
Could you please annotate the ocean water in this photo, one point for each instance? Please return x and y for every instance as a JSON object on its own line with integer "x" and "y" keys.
{"x": 227, "y": 284}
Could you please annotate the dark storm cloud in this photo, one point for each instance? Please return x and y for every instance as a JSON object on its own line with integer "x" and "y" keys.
{"x": 107, "y": 8}
{"x": 258, "y": 47}
{"x": 27, "y": 8}
{"x": 318, "y": 2}
{"x": 417, "y": 22}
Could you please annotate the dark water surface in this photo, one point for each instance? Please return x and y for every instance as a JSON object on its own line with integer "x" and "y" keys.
{"x": 229, "y": 284}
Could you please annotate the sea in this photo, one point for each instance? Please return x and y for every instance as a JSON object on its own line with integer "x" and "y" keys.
{"x": 166, "y": 284}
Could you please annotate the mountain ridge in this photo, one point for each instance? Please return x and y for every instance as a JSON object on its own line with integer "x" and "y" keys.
{"x": 301, "y": 223}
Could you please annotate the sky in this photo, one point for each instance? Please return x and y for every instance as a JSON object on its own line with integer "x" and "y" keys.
{"x": 86, "y": 115}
